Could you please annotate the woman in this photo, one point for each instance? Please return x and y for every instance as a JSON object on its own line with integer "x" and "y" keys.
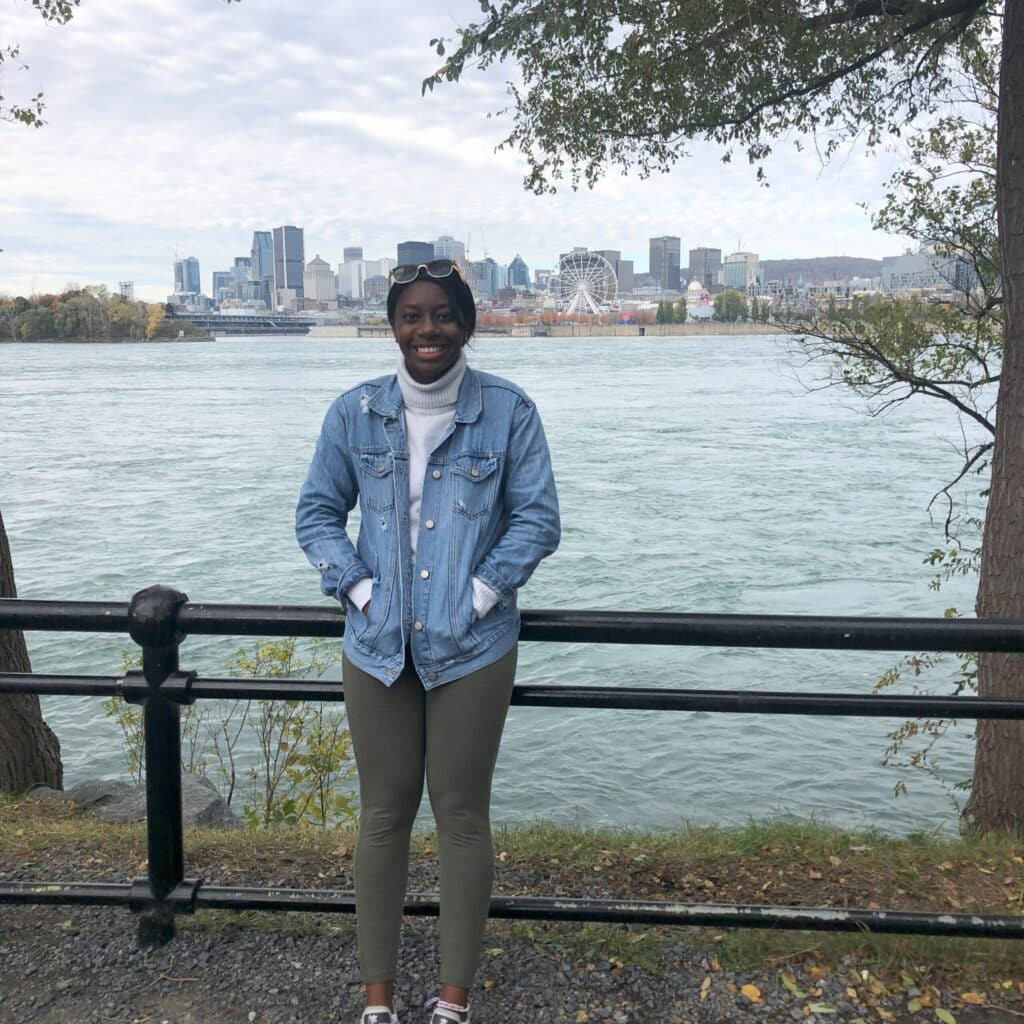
{"x": 457, "y": 500}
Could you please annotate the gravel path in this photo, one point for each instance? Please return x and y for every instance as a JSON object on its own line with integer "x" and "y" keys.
{"x": 79, "y": 965}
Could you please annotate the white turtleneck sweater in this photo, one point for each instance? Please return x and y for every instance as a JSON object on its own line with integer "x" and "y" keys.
{"x": 429, "y": 410}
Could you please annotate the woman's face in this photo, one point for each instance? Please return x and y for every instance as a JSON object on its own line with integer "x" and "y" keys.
{"x": 427, "y": 331}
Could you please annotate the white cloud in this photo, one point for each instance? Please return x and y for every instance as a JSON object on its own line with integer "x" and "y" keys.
{"x": 190, "y": 124}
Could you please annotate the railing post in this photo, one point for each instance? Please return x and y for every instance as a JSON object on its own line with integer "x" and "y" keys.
{"x": 152, "y": 617}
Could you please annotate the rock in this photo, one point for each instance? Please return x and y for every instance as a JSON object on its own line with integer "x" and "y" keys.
{"x": 201, "y": 804}
{"x": 91, "y": 793}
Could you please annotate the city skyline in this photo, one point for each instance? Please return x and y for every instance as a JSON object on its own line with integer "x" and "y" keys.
{"x": 319, "y": 122}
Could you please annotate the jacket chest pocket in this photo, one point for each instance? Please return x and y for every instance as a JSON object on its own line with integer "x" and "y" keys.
{"x": 377, "y": 481}
{"x": 475, "y": 481}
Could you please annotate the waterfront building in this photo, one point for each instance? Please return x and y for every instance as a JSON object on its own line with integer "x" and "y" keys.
{"x": 518, "y": 273}
{"x": 375, "y": 288}
{"x": 664, "y": 261}
{"x": 222, "y": 285}
{"x": 319, "y": 285}
{"x": 186, "y": 276}
{"x": 415, "y": 252}
{"x": 352, "y": 253}
{"x": 739, "y": 270}
{"x": 449, "y": 248}
{"x": 289, "y": 260}
{"x": 705, "y": 266}
{"x": 541, "y": 279}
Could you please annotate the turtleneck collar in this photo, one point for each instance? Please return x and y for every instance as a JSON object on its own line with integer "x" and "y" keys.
{"x": 443, "y": 393}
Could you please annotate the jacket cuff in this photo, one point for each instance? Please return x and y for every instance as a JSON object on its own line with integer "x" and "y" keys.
{"x": 485, "y": 574}
{"x": 355, "y": 572}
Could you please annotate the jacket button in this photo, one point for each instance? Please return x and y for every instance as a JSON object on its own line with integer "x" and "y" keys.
{"x": 417, "y": 625}
{"x": 424, "y": 574}
{"x": 436, "y": 474}
{"x": 429, "y": 524}
{"x": 431, "y": 675}
{"x": 473, "y": 472}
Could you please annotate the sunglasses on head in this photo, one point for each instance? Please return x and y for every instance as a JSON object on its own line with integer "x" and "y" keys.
{"x": 406, "y": 273}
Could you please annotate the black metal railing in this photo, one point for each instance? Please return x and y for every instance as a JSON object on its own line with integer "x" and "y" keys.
{"x": 159, "y": 618}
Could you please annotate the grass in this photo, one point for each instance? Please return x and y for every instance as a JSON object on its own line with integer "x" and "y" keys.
{"x": 781, "y": 860}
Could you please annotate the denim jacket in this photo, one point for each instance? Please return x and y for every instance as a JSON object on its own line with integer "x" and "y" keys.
{"x": 489, "y": 509}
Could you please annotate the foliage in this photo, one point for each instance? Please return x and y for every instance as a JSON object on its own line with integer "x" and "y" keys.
{"x": 680, "y": 312}
{"x": 730, "y": 306}
{"x": 58, "y": 12}
{"x": 84, "y": 314}
{"x": 304, "y": 751}
{"x": 639, "y": 81}
{"x": 947, "y": 347}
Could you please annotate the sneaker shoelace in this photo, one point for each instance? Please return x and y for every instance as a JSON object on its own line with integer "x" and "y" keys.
{"x": 446, "y": 1012}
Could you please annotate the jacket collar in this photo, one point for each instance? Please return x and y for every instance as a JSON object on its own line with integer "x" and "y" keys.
{"x": 387, "y": 400}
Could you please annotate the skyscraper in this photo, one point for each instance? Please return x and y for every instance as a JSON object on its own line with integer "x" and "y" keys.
{"x": 261, "y": 269}
{"x": 450, "y": 248}
{"x": 351, "y": 253}
{"x": 705, "y": 265}
{"x": 186, "y": 276}
{"x": 289, "y": 260}
{"x": 623, "y": 268}
{"x": 415, "y": 252}
{"x": 518, "y": 273}
{"x": 740, "y": 270}
{"x": 664, "y": 261}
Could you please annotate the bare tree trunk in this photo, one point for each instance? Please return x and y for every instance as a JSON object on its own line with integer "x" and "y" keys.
{"x": 997, "y": 793}
{"x": 29, "y": 751}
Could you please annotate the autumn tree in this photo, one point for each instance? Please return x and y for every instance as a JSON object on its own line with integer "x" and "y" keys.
{"x": 639, "y": 82}
{"x": 730, "y": 306}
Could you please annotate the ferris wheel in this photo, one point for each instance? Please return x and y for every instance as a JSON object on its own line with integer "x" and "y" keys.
{"x": 586, "y": 283}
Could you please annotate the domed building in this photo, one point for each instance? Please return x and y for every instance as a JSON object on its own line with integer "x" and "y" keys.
{"x": 698, "y": 303}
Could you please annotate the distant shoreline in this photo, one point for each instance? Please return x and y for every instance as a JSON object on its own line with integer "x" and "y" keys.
{"x": 527, "y": 332}
{"x": 103, "y": 341}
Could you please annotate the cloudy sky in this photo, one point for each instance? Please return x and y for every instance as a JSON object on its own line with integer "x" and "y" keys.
{"x": 182, "y": 127}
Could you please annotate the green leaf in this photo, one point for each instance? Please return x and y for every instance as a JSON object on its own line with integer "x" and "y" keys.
{"x": 945, "y": 1016}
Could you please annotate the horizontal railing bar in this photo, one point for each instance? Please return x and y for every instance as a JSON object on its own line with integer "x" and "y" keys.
{"x": 628, "y": 698}
{"x": 564, "y": 626}
{"x": 653, "y": 912}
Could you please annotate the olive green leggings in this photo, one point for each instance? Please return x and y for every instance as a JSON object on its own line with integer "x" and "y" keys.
{"x": 452, "y": 733}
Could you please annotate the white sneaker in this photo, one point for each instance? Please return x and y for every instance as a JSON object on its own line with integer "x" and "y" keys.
{"x": 378, "y": 1015}
{"x": 447, "y": 1013}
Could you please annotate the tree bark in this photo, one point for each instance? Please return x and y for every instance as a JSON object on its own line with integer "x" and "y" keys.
{"x": 997, "y": 792}
{"x": 29, "y": 751}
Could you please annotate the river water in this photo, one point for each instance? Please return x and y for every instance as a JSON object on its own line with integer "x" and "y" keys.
{"x": 694, "y": 474}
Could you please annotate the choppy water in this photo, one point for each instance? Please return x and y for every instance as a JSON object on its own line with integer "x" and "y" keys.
{"x": 694, "y": 475}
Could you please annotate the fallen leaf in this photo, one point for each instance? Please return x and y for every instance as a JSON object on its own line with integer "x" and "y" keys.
{"x": 704, "y": 986}
{"x": 975, "y": 998}
{"x": 913, "y": 1005}
{"x": 753, "y": 993}
{"x": 814, "y": 874}
{"x": 885, "y": 1014}
{"x": 945, "y": 1016}
{"x": 851, "y": 993}
{"x": 835, "y": 861}
{"x": 581, "y": 1016}
{"x": 19, "y": 832}
{"x": 488, "y": 983}
{"x": 789, "y": 981}
{"x": 823, "y": 1008}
